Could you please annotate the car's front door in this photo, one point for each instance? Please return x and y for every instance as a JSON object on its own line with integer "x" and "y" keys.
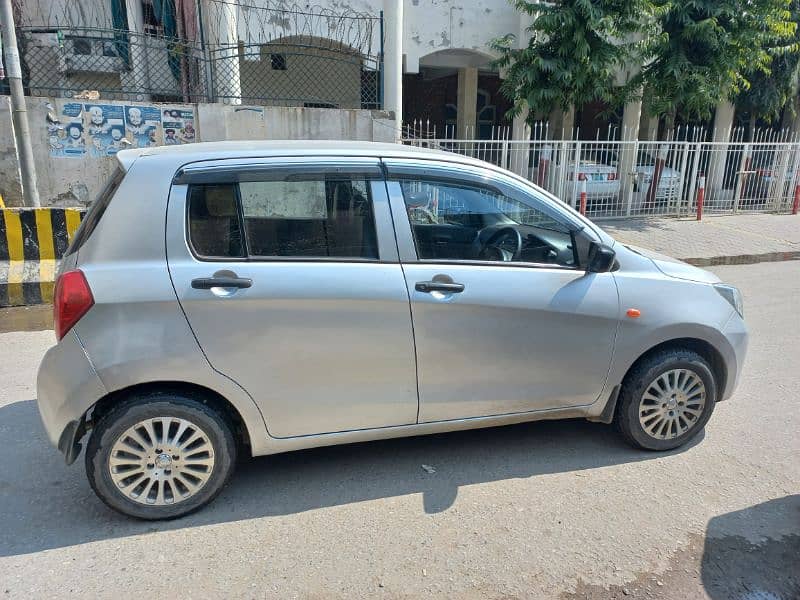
{"x": 289, "y": 276}
{"x": 505, "y": 318}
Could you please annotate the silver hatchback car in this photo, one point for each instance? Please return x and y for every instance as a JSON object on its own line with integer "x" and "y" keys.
{"x": 233, "y": 298}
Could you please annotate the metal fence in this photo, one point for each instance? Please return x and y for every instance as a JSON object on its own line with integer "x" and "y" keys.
{"x": 644, "y": 178}
{"x": 272, "y": 56}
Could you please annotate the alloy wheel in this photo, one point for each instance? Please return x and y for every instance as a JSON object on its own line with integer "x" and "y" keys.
{"x": 672, "y": 404}
{"x": 161, "y": 461}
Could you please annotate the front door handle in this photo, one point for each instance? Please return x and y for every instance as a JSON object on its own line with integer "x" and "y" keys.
{"x": 439, "y": 286}
{"x": 206, "y": 283}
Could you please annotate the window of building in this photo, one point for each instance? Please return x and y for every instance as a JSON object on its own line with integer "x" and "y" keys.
{"x": 152, "y": 21}
{"x": 81, "y": 46}
{"x": 278, "y": 62}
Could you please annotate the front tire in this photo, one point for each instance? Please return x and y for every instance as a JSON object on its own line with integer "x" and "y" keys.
{"x": 160, "y": 456}
{"x": 666, "y": 400}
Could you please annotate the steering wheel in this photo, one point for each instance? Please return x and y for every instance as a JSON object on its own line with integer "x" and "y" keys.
{"x": 491, "y": 249}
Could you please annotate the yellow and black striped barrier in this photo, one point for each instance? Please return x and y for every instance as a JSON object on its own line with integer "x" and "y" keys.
{"x": 32, "y": 241}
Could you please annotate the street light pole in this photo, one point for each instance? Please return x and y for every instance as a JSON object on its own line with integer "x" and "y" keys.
{"x": 19, "y": 113}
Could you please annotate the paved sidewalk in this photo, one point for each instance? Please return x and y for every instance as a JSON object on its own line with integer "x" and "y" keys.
{"x": 714, "y": 239}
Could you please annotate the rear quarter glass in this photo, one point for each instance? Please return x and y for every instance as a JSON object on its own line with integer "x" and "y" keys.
{"x": 96, "y": 211}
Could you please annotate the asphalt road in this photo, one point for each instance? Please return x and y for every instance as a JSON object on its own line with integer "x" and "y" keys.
{"x": 553, "y": 509}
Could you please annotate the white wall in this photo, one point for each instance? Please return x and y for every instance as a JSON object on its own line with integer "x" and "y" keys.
{"x": 65, "y": 181}
{"x": 435, "y": 25}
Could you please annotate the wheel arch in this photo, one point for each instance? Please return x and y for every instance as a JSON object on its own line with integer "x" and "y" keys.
{"x": 211, "y": 398}
{"x": 702, "y": 347}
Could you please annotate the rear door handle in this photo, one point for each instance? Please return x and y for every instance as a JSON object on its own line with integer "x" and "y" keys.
{"x": 206, "y": 283}
{"x": 439, "y": 286}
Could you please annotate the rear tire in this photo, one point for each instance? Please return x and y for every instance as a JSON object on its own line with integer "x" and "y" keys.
{"x": 666, "y": 400}
{"x": 160, "y": 455}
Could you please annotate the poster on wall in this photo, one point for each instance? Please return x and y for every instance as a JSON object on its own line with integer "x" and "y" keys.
{"x": 178, "y": 126}
{"x": 142, "y": 125}
{"x": 105, "y": 129}
{"x": 65, "y": 132}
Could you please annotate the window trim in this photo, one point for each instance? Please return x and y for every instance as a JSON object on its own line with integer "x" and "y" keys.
{"x": 257, "y": 258}
{"x": 480, "y": 182}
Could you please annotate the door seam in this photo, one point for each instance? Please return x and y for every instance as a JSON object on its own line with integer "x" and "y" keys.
{"x": 405, "y": 283}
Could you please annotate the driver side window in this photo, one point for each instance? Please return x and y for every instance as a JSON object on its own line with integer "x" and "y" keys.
{"x": 462, "y": 221}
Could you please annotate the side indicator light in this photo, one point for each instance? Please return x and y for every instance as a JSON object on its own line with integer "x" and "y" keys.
{"x": 634, "y": 313}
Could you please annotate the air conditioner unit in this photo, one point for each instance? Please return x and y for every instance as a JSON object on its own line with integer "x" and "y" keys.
{"x": 90, "y": 55}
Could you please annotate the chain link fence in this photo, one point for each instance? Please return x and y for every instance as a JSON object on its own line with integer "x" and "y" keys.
{"x": 236, "y": 53}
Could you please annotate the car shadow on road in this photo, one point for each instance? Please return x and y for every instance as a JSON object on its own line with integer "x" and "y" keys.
{"x": 755, "y": 552}
{"x": 44, "y": 504}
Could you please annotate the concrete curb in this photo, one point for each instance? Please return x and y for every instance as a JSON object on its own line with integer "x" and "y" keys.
{"x": 32, "y": 241}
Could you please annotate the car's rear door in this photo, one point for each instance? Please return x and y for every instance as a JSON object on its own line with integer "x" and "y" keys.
{"x": 493, "y": 335}
{"x": 289, "y": 276}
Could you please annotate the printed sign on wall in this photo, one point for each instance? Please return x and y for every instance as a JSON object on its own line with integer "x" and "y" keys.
{"x": 178, "y": 126}
{"x": 65, "y": 132}
{"x": 142, "y": 124}
{"x": 105, "y": 128}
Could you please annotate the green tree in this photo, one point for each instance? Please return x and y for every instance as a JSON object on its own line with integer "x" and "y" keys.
{"x": 575, "y": 51}
{"x": 708, "y": 50}
{"x": 777, "y": 88}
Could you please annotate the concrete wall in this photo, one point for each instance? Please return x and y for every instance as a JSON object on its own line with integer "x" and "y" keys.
{"x": 312, "y": 74}
{"x": 76, "y": 180}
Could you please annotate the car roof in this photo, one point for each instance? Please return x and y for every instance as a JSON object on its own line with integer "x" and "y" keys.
{"x": 187, "y": 153}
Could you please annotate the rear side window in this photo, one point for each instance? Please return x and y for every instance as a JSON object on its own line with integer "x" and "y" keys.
{"x": 214, "y": 228}
{"x": 296, "y": 216}
{"x": 96, "y": 211}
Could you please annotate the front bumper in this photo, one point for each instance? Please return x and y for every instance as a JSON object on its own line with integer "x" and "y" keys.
{"x": 67, "y": 386}
{"x": 735, "y": 331}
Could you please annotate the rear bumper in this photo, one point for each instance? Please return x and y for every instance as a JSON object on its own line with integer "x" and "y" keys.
{"x": 67, "y": 386}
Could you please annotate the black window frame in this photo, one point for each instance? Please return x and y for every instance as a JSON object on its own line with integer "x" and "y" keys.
{"x": 251, "y": 173}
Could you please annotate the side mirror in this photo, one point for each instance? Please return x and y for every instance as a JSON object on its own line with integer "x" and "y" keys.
{"x": 601, "y": 258}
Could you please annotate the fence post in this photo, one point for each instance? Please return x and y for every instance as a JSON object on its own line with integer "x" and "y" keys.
{"x": 693, "y": 175}
{"x": 575, "y": 171}
{"x": 544, "y": 164}
{"x": 682, "y": 180}
{"x": 583, "y": 193}
{"x": 701, "y": 192}
{"x": 743, "y": 172}
{"x": 504, "y": 156}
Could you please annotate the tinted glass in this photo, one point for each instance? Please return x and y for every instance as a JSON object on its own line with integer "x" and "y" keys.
{"x": 96, "y": 211}
{"x": 316, "y": 216}
{"x": 453, "y": 221}
{"x": 214, "y": 221}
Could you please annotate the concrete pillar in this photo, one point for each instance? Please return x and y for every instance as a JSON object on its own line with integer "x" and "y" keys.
{"x": 467, "y": 102}
{"x": 648, "y": 127}
{"x": 519, "y": 156}
{"x": 222, "y": 33}
{"x": 723, "y": 122}
{"x": 631, "y": 116}
{"x": 393, "y": 62}
{"x": 138, "y": 78}
{"x": 562, "y": 122}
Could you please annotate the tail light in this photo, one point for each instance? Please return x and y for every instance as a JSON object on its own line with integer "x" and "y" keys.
{"x": 612, "y": 176}
{"x": 71, "y": 300}
{"x": 764, "y": 172}
{"x": 581, "y": 176}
